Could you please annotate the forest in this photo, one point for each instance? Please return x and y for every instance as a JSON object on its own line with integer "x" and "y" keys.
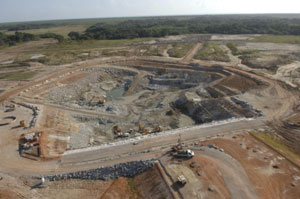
{"x": 130, "y": 28}
{"x": 20, "y": 37}
{"x": 160, "y": 27}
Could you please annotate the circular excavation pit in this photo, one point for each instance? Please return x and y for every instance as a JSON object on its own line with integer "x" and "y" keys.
{"x": 136, "y": 98}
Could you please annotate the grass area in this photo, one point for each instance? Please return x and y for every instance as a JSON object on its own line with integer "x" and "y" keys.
{"x": 288, "y": 39}
{"x": 232, "y": 46}
{"x": 179, "y": 50}
{"x": 272, "y": 141}
{"x": 0, "y": 195}
{"x": 259, "y": 73}
{"x": 212, "y": 52}
{"x": 133, "y": 188}
{"x": 18, "y": 75}
{"x": 71, "y": 51}
{"x": 131, "y": 184}
{"x": 108, "y": 52}
{"x": 62, "y": 30}
{"x": 88, "y": 44}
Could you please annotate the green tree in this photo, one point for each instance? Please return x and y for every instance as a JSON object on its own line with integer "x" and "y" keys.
{"x": 59, "y": 38}
{"x": 74, "y": 35}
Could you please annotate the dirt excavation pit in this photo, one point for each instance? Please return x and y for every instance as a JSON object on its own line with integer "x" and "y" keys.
{"x": 113, "y": 102}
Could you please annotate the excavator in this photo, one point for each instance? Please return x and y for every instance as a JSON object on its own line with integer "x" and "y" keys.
{"x": 101, "y": 101}
{"x": 142, "y": 129}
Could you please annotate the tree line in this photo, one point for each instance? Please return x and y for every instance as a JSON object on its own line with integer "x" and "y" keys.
{"x": 164, "y": 26}
{"x": 160, "y": 27}
{"x": 20, "y": 37}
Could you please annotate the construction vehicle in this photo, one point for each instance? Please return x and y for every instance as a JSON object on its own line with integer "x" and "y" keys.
{"x": 30, "y": 144}
{"x": 23, "y": 123}
{"x": 116, "y": 129}
{"x": 179, "y": 152}
{"x": 178, "y": 146}
{"x": 157, "y": 129}
{"x": 100, "y": 101}
{"x": 182, "y": 180}
{"x": 142, "y": 129}
{"x": 184, "y": 153}
{"x": 122, "y": 135}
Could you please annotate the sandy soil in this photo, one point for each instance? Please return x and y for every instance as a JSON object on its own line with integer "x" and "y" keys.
{"x": 290, "y": 74}
{"x": 232, "y": 37}
{"x": 258, "y": 162}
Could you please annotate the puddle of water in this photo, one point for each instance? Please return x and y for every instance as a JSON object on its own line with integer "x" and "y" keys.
{"x": 115, "y": 93}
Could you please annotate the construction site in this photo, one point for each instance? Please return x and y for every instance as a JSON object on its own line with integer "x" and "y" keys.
{"x": 147, "y": 126}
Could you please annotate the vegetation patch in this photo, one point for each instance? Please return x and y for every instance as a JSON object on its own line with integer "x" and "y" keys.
{"x": 288, "y": 39}
{"x": 88, "y": 44}
{"x": 276, "y": 143}
{"x": 257, "y": 60}
{"x": 62, "y": 30}
{"x": 108, "y": 52}
{"x": 232, "y": 46}
{"x": 179, "y": 50}
{"x": 131, "y": 184}
{"x": 212, "y": 52}
{"x": 164, "y": 26}
{"x": 18, "y": 75}
{"x": 21, "y": 37}
{"x": 133, "y": 188}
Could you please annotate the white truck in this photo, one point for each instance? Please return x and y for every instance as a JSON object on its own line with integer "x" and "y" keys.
{"x": 184, "y": 153}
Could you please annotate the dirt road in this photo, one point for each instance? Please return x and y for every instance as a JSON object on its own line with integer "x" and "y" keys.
{"x": 191, "y": 53}
{"x": 118, "y": 152}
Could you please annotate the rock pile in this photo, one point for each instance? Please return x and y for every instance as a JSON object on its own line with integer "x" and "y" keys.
{"x": 128, "y": 169}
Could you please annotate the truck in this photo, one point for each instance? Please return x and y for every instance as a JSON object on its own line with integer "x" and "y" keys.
{"x": 184, "y": 153}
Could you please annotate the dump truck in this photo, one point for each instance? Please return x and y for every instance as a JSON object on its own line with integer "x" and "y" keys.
{"x": 184, "y": 153}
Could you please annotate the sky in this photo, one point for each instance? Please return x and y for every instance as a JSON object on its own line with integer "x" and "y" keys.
{"x": 35, "y": 10}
